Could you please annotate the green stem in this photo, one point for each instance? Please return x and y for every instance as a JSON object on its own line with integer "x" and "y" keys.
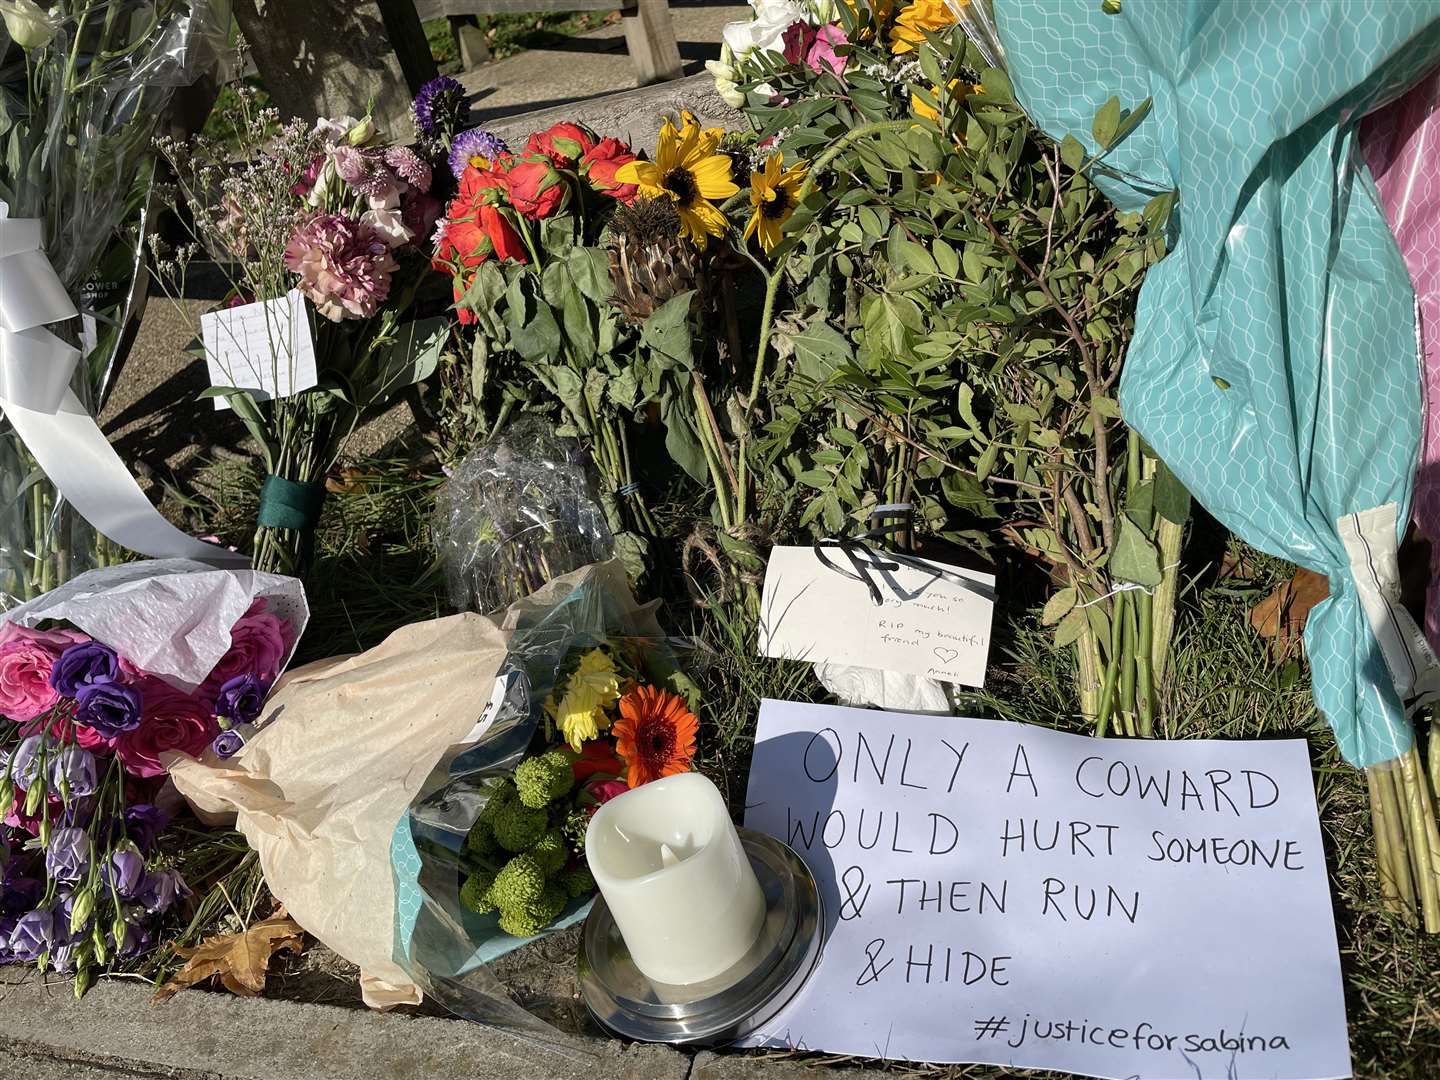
{"x": 1112, "y": 667}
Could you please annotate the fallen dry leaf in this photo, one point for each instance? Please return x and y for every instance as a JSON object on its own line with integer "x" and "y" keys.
{"x": 240, "y": 960}
{"x": 1281, "y": 615}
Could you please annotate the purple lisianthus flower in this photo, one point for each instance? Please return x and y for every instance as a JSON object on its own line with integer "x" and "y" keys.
{"x": 19, "y": 895}
{"x": 475, "y": 147}
{"x": 67, "y": 856}
{"x": 25, "y": 765}
{"x": 76, "y": 767}
{"x": 84, "y": 664}
{"x": 437, "y": 106}
{"x": 125, "y": 873}
{"x": 228, "y": 743}
{"x": 159, "y": 891}
{"x": 240, "y": 699}
{"x": 144, "y": 822}
{"x": 111, "y": 709}
{"x": 137, "y": 940}
{"x": 34, "y": 933}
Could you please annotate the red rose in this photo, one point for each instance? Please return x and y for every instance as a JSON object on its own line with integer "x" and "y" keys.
{"x": 474, "y": 183}
{"x": 465, "y": 315}
{"x": 536, "y": 189}
{"x": 600, "y": 164}
{"x": 563, "y": 144}
{"x": 173, "y": 722}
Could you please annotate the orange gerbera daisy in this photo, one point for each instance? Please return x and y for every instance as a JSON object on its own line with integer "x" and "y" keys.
{"x": 655, "y": 734}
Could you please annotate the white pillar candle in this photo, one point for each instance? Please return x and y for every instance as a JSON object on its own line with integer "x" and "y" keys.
{"x": 676, "y": 879}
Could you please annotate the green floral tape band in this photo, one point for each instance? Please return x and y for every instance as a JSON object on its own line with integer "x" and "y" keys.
{"x": 285, "y": 504}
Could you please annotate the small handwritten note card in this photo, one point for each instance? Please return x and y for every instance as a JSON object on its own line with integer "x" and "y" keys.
{"x": 1009, "y": 895}
{"x": 264, "y": 348}
{"x": 926, "y": 623}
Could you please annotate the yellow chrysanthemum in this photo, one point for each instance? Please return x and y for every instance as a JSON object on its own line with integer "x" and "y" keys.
{"x": 773, "y": 194}
{"x": 689, "y": 173}
{"x": 958, "y": 92}
{"x": 919, "y": 16}
{"x": 592, "y": 689}
{"x": 879, "y": 11}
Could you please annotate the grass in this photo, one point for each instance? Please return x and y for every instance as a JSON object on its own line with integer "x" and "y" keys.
{"x": 377, "y": 571}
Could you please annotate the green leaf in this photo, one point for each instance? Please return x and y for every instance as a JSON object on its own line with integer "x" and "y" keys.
{"x": 1071, "y": 627}
{"x": 413, "y": 356}
{"x": 1058, "y": 606}
{"x": 1134, "y": 558}
{"x": 986, "y": 464}
{"x": 667, "y": 331}
{"x": 678, "y": 415}
{"x": 819, "y": 349}
{"x": 1106, "y": 123}
{"x": 1172, "y": 500}
{"x": 1072, "y": 152}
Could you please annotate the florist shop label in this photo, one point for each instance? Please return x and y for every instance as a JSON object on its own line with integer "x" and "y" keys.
{"x": 933, "y": 620}
{"x": 1008, "y": 895}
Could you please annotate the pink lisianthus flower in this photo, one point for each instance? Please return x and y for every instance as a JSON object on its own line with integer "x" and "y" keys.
{"x": 87, "y": 738}
{"x": 822, "y": 53}
{"x": 815, "y": 48}
{"x": 174, "y": 721}
{"x": 26, "y": 657}
{"x": 259, "y": 644}
{"x": 344, "y": 265}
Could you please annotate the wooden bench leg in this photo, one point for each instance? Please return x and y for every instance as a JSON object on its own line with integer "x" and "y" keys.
{"x": 650, "y": 37}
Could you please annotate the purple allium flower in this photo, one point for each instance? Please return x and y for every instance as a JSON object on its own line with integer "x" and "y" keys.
{"x": 110, "y": 708}
{"x": 125, "y": 872}
{"x": 159, "y": 891}
{"x": 240, "y": 699}
{"x": 25, "y": 765}
{"x": 344, "y": 265}
{"x": 33, "y": 934}
{"x": 67, "y": 856}
{"x": 228, "y": 743}
{"x": 83, "y": 664}
{"x": 475, "y": 147}
{"x": 408, "y": 166}
{"x": 76, "y": 766}
{"x": 144, "y": 822}
{"x": 437, "y": 106}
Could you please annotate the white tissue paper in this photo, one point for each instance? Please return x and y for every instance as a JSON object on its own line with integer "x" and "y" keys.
{"x": 169, "y": 617}
{"x": 889, "y": 690}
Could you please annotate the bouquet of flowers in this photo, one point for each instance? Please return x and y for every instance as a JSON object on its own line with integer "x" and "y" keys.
{"x": 88, "y": 725}
{"x": 328, "y": 224}
{"x": 83, "y": 85}
{"x": 605, "y": 730}
{"x": 589, "y": 702}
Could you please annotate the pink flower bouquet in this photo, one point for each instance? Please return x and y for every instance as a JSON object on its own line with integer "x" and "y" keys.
{"x": 103, "y": 683}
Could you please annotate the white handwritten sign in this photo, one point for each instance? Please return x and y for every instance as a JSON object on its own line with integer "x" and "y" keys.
{"x": 265, "y": 348}
{"x": 925, "y": 625}
{"x": 1010, "y": 895}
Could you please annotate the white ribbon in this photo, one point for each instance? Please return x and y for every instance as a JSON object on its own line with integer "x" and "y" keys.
{"x": 35, "y": 395}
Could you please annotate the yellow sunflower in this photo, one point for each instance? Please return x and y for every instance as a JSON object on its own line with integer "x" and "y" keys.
{"x": 773, "y": 194}
{"x": 689, "y": 173}
{"x": 958, "y": 92}
{"x": 919, "y": 16}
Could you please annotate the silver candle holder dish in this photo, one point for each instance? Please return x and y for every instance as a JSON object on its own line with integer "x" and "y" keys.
{"x": 733, "y": 1004}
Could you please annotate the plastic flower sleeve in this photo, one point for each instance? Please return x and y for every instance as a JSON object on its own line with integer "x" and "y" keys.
{"x": 1401, "y": 143}
{"x": 84, "y": 104}
{"x": 515, "y": 514}
{"x": 1274, "y": 363}
{"x": 446, "y": 948}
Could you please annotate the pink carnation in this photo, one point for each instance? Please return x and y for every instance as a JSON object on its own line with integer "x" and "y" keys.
{"x": 259, "y": 644}
{"x": 173, "y": 721}
{"x": 344, "y": 265}
{"x": 26, "y": 657}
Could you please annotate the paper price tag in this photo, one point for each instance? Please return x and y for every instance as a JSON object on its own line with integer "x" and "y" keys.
{"x": 926, "y": 625}
{"x": 264, "y": 348}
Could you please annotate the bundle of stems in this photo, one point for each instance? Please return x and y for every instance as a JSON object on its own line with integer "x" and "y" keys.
{"x": 1407, "y": 837}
